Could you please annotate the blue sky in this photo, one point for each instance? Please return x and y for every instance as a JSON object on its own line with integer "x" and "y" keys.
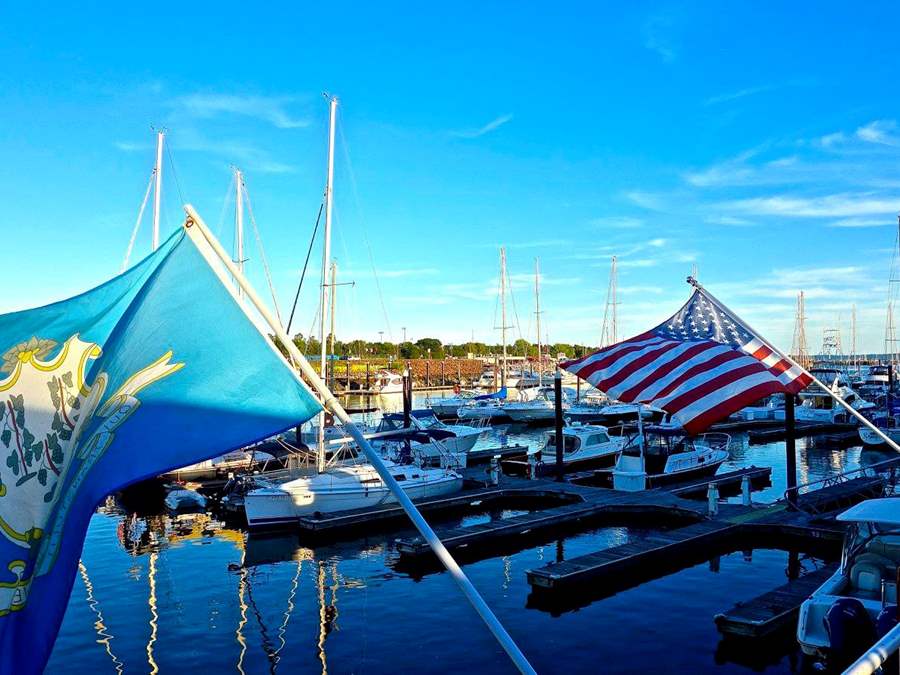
{"x": 758, "y": 143}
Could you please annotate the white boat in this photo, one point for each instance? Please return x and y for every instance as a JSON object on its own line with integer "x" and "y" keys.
{"x": 666, "y": 456}
{"x": 218, "y": 467}
{"x": 446, "y": 406}
{"x": 387, "y": 382}
{"x": 340, "y": 488}
{"x": 614, "y": 414}
{"x": 866, "y": 580}
{"x": 490, "y": 409}
{"x": 584, "y": 446}
{"x": 539, "y": 409}
{"x": 819, "y": 406}
{"x": 443, "y": 440}
{"x": 888, "y": 424}
{"x": 183, "y": 499}
{"x": 767, "y": 409}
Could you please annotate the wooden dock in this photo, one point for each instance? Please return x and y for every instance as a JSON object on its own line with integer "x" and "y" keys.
{"x": 802, "y": 430}
{"x": 663, "y": 505}
{"x": 774, "y": 610}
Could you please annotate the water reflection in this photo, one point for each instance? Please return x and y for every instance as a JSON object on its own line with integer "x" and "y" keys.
{"x": 287, "y": 603}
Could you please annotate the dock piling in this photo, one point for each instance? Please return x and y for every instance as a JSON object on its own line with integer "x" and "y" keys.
{"x": 746, "y": 498}
{"x": 790, "y": 443}
{"x": 557, "y": 406}
{"x": 712, "y": 496}
{"x": 495, "y": 470}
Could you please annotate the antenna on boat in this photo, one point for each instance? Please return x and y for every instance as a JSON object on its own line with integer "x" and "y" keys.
{"x": 326, "y": 257}
{"x": 157, "y": 191}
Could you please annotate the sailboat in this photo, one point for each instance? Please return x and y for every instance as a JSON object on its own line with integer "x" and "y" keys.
{"x": 343, "y": 481}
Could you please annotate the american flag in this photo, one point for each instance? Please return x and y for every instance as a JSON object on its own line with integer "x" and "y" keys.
{"x": 700, "y": 366}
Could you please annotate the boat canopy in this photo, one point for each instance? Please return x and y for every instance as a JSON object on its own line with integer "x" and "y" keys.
{"x": 885, "y": 511}
{"x": 497, "y": 394}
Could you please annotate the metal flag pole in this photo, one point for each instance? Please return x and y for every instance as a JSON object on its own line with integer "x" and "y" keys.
{"x": 849, "y": 408}
{"x": 332, "y": 405}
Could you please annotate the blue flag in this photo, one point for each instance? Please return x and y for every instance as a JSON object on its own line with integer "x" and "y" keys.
{"x": 156, "y": 369}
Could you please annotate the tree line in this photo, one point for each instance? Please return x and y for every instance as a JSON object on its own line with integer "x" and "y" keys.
{"x": 433, "y": 348}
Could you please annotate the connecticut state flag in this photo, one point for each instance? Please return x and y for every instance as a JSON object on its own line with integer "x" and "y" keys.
{"x": 157, "y": 368}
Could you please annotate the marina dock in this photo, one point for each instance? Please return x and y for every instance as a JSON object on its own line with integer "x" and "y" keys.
{"x": 772, "y": 611}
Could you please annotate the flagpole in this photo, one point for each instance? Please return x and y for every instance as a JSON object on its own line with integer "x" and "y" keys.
{"x": 853, "y": 411}
{"x": 331, "y": 403}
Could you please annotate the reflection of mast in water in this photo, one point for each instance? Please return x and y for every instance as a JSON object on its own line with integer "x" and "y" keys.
{"x": 154, "y": 616}
{"x": 327, "y": 613}
{"x": 282, "y": 630}
{"x": 507, "y": 567}
{"x": 242, "y": 585}
{"x": 99, "y": 626}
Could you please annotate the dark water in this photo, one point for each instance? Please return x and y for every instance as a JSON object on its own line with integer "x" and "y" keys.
{"x": 180, "y": 595}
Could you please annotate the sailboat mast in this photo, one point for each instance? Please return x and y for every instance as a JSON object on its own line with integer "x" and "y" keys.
{"x": 326, "y": 255}
{"x": 503, "y": 313}
{"x": 157, "y": 191}
{"x": 239, "y": 222}
{"x": 537, "y": 312}
{"x": 333, "y": 302}
{"x": 614, "y": 283}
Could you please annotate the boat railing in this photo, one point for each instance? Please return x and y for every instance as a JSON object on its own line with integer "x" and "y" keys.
{"x": 716, "y": 440}
{"x": 877, "y": 654}
{"x": 888, "y": 471}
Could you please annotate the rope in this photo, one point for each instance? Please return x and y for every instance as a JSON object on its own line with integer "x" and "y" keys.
{"x": 262, "y": 253}
{"x": 303, "y": 273}
{"x": 137, "y": 223}
{"x": 365, "y": 230}
{"x": 174, "y": 174}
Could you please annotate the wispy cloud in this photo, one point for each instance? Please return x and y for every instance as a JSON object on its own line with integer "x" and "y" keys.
{"x": 740, "y": 93}
{"x": 861, "y": 222}
{"x": 880, "y": 132}
{"x": 729, "y": 221}
{"x": 658, "y": 36}
{"x": 618, "y": 222}
{"x": 844, "y": 205}
{"x": 271, "y": 109}
{"x": 128, "y": 146}
{"x": 646, "y": 200}
{"x": 494, "y": 124}
{"x": 400, "y": 273}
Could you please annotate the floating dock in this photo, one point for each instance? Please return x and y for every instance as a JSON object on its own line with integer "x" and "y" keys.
{"x": 772, "y": 611}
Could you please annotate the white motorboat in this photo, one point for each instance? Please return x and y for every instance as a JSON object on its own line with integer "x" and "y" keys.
{"x": 490, "y": 409}
{"x": 661, "y": 455}
{"x": 446, "y": 406}
{"x": 181, "y": 499}
{"x": 539, "y": 409}
{"x": 866, "y": 581}
{"x": 218, "y": 467}
{"x": 341, "y": 488}
{"x": 888, "y": 424}
{"x": 614, "y": 414}
{"x": 819, "y": 406}
{"x": 767, "y": 409}
{"x": 584, "y": 446}
{"x": 387, "y": 382}
{"x": 443, "y": 439}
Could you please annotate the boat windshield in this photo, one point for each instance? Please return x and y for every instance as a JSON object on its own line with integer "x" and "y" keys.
{"x": 570, "y": 443}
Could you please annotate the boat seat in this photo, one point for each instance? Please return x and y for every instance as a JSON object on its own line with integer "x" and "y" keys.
{"x": 887, "y": 545}
{"x": 868, "y": 570}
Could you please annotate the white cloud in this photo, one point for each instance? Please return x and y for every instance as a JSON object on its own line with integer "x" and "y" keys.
{"x": 728, "y": 221}
{"x": 646, "y": 200}
{"x": 658, "y": 37}
{"x": 735, "y": 95}
{"x": 831, "y": 140}
{"x": 128, "y": 146}
{"x": 495, "y": 123}
{"x": 638, "y": 262}
{"x": 861, "y": 222}
{"x": 271, "y": 109}
{"x": 830, "y": 206}
{"x": 880, "y": 132}
{"x": 619, "y": 222}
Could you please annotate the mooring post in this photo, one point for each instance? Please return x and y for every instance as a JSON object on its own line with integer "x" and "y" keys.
{"x": 348, "y": 373}
{"x": 428, "y": 373}
{"x": 745, "y": 491}
{"x": 790, "y": 445}
{"x": 442, "y": 374}
{"x": 557, "y": 405}
{"x": 368, "y": 378}
{"x": 712, "y": 497}
{"x": 495, "y": 470}
{"x": 577, "y": 389}
{"x": 532, "y": 464}
{"x": 407, "y": 398}
{"x": 458, "y": 373}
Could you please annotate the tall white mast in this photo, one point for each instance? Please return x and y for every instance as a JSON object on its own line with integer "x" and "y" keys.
{"x": 157, "y": 192}
{"x": 503, "y": 312}
{"x": 610, "y": 330}
{"x": 537, "y": 312}
{"x": 326, "y": 256}
{"x": 239, "y": 221}
{"x": 853, "y": 356}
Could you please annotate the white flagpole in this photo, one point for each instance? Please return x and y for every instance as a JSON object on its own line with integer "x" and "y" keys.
{"x": 853, "y": 411}
{"x": 331, "y": 403}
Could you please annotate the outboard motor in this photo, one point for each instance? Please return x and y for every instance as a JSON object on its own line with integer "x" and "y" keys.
{"x": 850, "y": 631}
